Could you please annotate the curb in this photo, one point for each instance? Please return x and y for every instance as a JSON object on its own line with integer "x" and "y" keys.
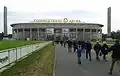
{"x": 54, "y": 66}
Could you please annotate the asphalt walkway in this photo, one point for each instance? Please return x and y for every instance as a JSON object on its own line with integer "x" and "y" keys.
{"x": 66, "y": 65}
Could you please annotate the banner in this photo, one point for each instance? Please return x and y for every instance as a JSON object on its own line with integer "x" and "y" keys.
{"x": 65, "y": 20}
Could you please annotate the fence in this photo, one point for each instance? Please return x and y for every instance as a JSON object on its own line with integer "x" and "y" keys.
{"x": 11, "y": 55}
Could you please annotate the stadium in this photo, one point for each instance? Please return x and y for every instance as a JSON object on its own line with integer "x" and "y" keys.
{"x": 56, "y": 29}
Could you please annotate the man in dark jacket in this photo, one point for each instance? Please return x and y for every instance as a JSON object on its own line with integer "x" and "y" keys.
{"x": 88, "y": 48}
{"x": 69, "y": 42}
{"x": 61, "y": 42}
{"x": 79, "y": 51}
{"x": 75, "y": 45}
{"x": 64, "y": 43}
{"x": 104, "y": 50}
{"x": 115, "y": 54}
{"x": 97, "y": 49}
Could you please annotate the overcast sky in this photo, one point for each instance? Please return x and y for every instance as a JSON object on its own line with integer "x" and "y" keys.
{"x": 93, "y": 11}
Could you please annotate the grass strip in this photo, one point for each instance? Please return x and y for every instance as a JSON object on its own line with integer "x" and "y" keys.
{"x": 40, "y": 63}
{"x": 7, "y": 44}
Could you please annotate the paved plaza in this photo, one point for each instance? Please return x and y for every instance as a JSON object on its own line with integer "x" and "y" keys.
{"x": 66, "y": 65}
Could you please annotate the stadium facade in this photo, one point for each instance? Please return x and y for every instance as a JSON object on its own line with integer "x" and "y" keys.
{"x": 47, "y": 30}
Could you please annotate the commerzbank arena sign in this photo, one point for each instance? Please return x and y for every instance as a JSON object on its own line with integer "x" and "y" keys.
{"x": 65, "y": 20}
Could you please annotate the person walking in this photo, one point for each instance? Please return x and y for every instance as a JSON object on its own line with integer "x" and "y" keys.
{"x": 97, "y": 49}
{"x": 69, "y": 42}
{"x": 84, "y": 46}
{"x": 75, "y": 45}
{"x": 104, "y": 50}
{"x": 61, "y": 42}
{"x": 115, "y": 54}
{"x": 79, "y": 50}
{"x": 64, "y": 43}
{"x": 88, "y": 48}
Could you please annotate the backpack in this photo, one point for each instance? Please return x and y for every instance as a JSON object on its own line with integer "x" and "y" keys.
{"x": 79, "y": 48}
{"x": 105, "y": 49}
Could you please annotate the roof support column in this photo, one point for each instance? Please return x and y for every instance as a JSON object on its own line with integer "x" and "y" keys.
{"x": 45, "y": 33}
{"x": 12, "y": 33}
{"x": 30, "y": 33}
{"x": 17, "y": 34}
{"x": 23, "y": 33}
{"x": 76, "y": 34}
{"x": 38, "y": 32}
{"x": 97, "y": 34}
{"x": 90, "y": 34}
{"x": 83, "y": 33}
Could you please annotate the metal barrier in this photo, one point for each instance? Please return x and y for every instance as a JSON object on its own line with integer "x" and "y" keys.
{"x": 11, "y": 55}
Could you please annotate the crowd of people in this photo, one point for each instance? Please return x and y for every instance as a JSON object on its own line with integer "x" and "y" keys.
{"x": 100, "y": 50}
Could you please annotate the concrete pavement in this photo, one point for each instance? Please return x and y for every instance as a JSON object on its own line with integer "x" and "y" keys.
{"x": 66, "y": 65}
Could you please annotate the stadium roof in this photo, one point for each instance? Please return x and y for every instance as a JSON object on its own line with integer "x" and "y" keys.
{"x": 58, "y": 23}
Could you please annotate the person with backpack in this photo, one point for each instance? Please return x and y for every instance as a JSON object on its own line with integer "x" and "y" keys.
{"x": 79, "y": 51}
{"x": 75, "y": 45}
{"x": 88, "y": 48}
{"x": 61, "y": 42}
{"x": 64, "y": 43}
{"x": 104, "y": 50}
{"x": 69, "y": 42}
{"x": 115, "y": 54}
{"x": 97, "y": 49}
{"x": 84, "y": 46}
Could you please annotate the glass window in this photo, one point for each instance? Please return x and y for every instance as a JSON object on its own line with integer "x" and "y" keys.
{"x": 93, "y": 30}
{"x": 87, "y": 30}
{"x": 80, "y": 30}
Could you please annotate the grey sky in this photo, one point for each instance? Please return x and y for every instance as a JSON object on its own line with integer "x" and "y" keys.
{"x": 94, "y": 11}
